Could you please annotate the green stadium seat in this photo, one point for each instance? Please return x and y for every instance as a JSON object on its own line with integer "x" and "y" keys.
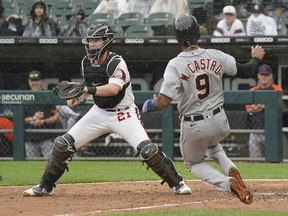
{"x": 192, "y": 4}
{"x": 80, "y": 2}
{"x": 140, "y": 30}
{"x": 100, "y": 18}
{"x": 160, "y": 18}
{"x": 87, "y": 6}
{"x": 25, "y": 6}
{"x": 9, "y": 11}
{"x": 161, "y": 23}
{"x": 60, "y": 8}
{"x": 8, "y": 3}
{"x": 128, "y": 19}
{"x": 117, "y": 30}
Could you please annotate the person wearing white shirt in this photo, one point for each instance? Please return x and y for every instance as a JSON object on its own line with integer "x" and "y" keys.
{"x": 230, "y": 25}
{"x": 259, "y": 24}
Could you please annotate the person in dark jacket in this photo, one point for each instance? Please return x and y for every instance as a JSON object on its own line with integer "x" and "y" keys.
{"x": 76, "y": 26}
{"x": 39, "y": 24}
{"x": 12, "y": 26}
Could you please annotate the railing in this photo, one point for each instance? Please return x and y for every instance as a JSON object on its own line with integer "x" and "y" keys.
{"x": 273, "y": 117}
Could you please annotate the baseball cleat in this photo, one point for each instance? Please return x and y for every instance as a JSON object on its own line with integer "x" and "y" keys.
{"x": 234, "y": 172}
{"x": 182, "y": 189}
{"x": 37, "y": 191}
{"x": 244, "y": 195}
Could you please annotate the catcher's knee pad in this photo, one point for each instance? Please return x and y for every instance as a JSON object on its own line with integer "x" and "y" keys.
{"x": 63, "y": 148}
{"x": 147, "y": 150}
{"x": 159, "y": 163}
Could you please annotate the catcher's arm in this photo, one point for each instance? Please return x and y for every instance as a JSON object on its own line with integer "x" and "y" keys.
{"x": 110, "y": 89}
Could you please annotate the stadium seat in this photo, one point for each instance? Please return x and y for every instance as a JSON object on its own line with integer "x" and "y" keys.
{"x": 77, "y": 2}
{"x": 100, "y": 18}
{"x": 9, "y": 11}
{"x": 25, "y": 6}
{"x": 87, "y": 6}
{"x": 60, "y": 8}
{"x": 117, "y": 30}
{"x": 192, "y": 4}
{"x": 161, "y": 23}
{"x": 128, "y": 19}
{"x": 8, "y": 3}
{"x": 140, "y": 30}
{"x": 24, "y": 19}
{"x": 284, "y": 17}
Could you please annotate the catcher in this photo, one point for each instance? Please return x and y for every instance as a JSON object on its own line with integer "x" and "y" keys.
{"x": 107, "y": 79}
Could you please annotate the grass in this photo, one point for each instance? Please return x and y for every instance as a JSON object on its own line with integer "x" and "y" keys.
{"x": 29, "y": 172}
{"x": 204, "y": 213}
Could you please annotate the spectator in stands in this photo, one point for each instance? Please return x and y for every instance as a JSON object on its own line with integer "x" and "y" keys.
{"x": 279, "y": 3}
{"x": 114, "y": 7}
{"x": 76, "y": 26}
{"x": 240, "y": 6}
{"x": 6, "y": 123}
{"x": 12, "y": 26}
{"x": 279, "y": 8}
{"x": 39, "y": 24}
{"x": 230, "y": 25}
{"x": 256, "y": 111}
{"x": 142, "y": 7}
{"x": 259, "y": 24}
{"x": 39, "y": 117}
{"x": 170, "y": 6}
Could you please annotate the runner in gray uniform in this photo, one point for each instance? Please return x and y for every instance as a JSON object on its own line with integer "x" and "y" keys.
{"x": 194, "y": 79}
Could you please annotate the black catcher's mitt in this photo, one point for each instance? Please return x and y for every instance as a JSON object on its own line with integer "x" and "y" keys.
{"x": 67, "y": 90}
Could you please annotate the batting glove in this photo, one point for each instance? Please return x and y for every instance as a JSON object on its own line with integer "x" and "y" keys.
{"x": 149, "y": 105}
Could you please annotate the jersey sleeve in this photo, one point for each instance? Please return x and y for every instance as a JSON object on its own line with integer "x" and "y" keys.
{"x": 228, "y": 63}
{"x": 121, "y": 74}
{"x": 171, "y": 82}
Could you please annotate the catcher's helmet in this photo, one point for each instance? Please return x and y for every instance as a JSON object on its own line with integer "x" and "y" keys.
{"x": 101, "y": 31}
{"x": 187, "y": 30}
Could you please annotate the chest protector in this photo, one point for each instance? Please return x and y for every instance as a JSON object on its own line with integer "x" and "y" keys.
{"x": 98, "y": 75}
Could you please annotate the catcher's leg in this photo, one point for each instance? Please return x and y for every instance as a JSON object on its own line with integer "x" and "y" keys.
{"x": 63, "y": 148}
{"x": 162, "y": 166}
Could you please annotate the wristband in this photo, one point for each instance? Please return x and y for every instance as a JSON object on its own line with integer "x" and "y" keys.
{"x": 91, "y": 90}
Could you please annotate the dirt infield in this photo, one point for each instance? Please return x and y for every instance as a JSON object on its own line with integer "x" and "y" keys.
{"x": 108, "y": 198}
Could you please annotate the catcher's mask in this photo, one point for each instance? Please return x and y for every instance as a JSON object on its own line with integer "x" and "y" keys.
{"x": 187, "y": 30}
{"x": 102, "y": 31}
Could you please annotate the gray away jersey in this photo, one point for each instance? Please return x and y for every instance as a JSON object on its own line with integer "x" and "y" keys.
{"x": 194, "y": 79}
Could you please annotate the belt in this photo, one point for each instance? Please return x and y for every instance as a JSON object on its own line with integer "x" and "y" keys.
{"x": 118, "y": 110}
{"x": 201, "y": 117}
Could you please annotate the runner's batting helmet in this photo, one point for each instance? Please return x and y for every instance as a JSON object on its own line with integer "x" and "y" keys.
{"x": 101, "y": 31}
{"x": 187, "y": 30}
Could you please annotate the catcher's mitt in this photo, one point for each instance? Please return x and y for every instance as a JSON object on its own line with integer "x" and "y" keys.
{"x": 67, "y": 90}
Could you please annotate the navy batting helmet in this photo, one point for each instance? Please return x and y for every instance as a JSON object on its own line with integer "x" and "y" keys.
{"x": 102, "y": 31}
{"x": 187, "y": 30}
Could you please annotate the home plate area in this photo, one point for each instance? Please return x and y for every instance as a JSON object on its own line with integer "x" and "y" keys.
{"x": 107, "y": 198}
